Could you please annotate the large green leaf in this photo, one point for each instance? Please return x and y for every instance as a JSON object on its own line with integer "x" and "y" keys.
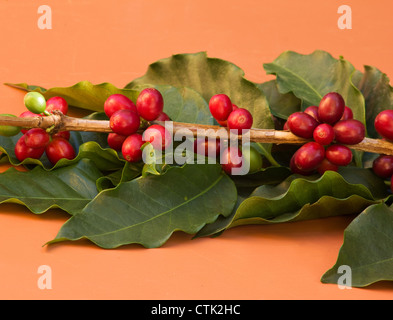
{"x": 183, "y": 104}
{"x": 378, "y": 94}
{"x": 70, "y": 188}
{"x": 148, "y": 210}
{"x": 209, "y": 76}
{"x": 84, "y": 94}
{"x": 367, "y": 251}
{"x": 302, "y": 198}
{"x": 312, "y": 76}
{"x": 282, "y": 105}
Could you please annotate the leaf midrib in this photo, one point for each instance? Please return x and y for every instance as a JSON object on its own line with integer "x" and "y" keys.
{"x": 302, "y": 79}
{"x": 161, "y": 214}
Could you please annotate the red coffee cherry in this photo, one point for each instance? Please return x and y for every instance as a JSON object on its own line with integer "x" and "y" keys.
{"x": 163, "y": 117}
{"x": 302, "y": 124}
{"x": 131, "y": 148}
{"x": 349, "y": 131}
{"x": 220, "y": 107}
{"x": 331, "y": 108}
{"x": 240, "y": 119}
{"x": 115, "y": 141}
{"x": 309, "y": 156}
{"x": 295, "y": 169}
{"x": 62, "y": 134}
{"x": 383, "y": 166}
{"x": 150, "y": 104}
{"x": 59, "y": 148}
{"x": 348, "y": 114}
{"x": 36, "y": 138}
{"x": 384, "y": 124}
{"x": 116, "y": 102}
{"x": 57, "y": 103}
{"x": 23, "y": 152}
{"x": 124, "y": 122}
{"x": 324, "y": 134}
{"x": 158, "y": 136}
{"x": 326, "y": 165}
{"x": 206, "y": 147}
{"x": 339, "y": 155}
{"x": 230, "y": 159}
{"x": 313, "y": 112}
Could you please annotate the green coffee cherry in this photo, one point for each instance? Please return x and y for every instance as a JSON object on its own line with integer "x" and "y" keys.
{"x": 9, "y": 131}
{"x": 253, "y": 157}
{"x": 35, "y": 102}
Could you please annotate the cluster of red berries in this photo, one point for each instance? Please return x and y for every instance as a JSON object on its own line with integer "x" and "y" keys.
{"x": 125, "y": 121}
{"x": 332, "y": 127}
{"x": 235, "y": 119}
{"x": 36, "y": 141}
{"x": 383, "y": 164}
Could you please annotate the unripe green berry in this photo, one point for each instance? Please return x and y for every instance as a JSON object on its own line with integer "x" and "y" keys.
{"x": 9, "y": 131}
{"x": 35, "y": 102}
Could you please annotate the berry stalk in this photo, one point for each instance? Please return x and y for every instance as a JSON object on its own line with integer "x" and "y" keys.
{"x": 60, "y": 122}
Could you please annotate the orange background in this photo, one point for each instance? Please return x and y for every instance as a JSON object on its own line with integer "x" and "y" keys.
{"x": 115, "y": 41}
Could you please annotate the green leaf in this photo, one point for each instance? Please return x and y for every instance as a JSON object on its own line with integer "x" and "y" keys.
{"x": 84, "y": 94}
{"x": 302, "y": 198}
{"x": 148, "y": 210}
{"x": 367, "y": 249}
{"x": 378, "y": 94}
{"x": 209, "y": 76}
{"x": 70, "y": 188}
{"x": 182, "y": 104}
{"x": 281, "y": 105}
{"x": 312, "y": 76}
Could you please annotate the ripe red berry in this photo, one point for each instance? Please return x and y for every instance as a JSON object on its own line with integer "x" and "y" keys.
{"x": 302, "y": 124}
{"x": 116, "y": 102}
{"x": 383, "y": 166}
{"x": 57, "y": 103}
{"x": 230, "y": 159}
{"x": 36, "y": 138}
{"x": 62, "y": 134}
{"x": 295, "y": 169}
{"x": 326, "y": 165}
{"x": 124, "y": 122}
{"x": 158, "y": 136}
{"x": 348, "y": 114}
{"x": 313, "y": 112}
{"x": 59, "y": 148}
{"x": 240, "y": 119}
{"x": 207, "y": 147}
{"x": 349, "y": 131}
{"x": 150, "y": 104}
{"x": 309, "y": 156}
{"x": 339, "y": 155}
{"x": 324, "y": 134}
{"x": 115, "y": 141}
{"x": 163, "y": 117}
{"x": 384, "y": 124}
{"x": 23, "y": 152}
{"x": 220, "y": 107}
{"x": 131, "y": 148}
{"x": 331, "y": 108}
